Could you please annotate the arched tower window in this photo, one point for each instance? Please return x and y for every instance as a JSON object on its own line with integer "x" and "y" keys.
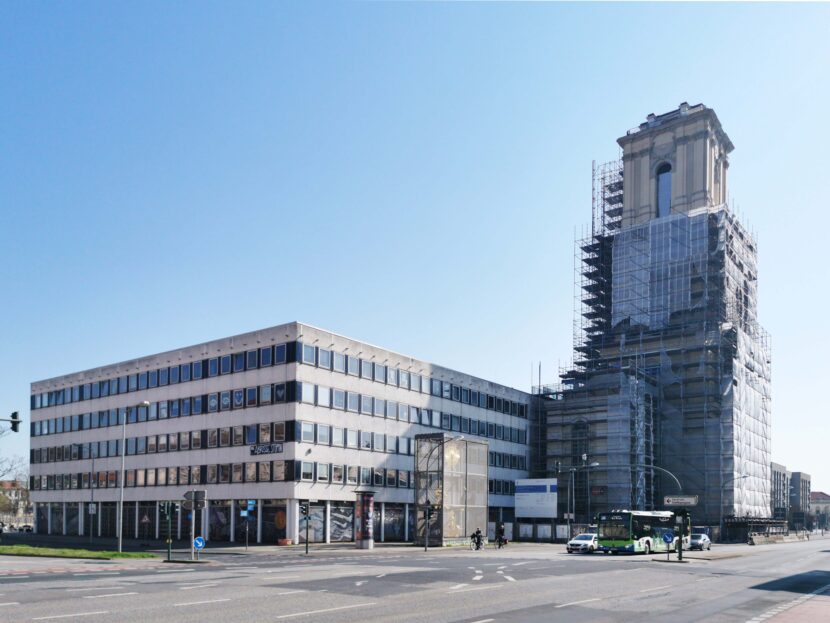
{"x": 664, "y": 189}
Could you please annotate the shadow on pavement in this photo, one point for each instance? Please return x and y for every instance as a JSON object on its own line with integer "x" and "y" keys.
{"x": 804, "y": 583}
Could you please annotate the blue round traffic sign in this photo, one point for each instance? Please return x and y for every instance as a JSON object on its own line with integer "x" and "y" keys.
{"x": 199, "y": 542}
{"x": 668, "y": 537}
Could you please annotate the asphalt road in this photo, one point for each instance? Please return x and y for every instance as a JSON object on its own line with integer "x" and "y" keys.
{"x": 523, "y": 583}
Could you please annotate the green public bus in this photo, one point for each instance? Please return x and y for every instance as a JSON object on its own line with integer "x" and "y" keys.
{"x": 639, "y": 531}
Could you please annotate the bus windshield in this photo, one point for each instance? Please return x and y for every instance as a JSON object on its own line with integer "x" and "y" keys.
{"x": 615, "y": 527}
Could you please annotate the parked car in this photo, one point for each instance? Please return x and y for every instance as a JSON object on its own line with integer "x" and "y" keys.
{"x": 582, "y": 543}
{"x": 25, "y": 528}
{"x": 700, "y": 541}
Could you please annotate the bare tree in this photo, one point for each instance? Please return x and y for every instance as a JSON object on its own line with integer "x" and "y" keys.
{"x": 11, "y": 465}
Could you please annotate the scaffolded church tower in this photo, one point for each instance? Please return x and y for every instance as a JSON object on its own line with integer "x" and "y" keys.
{"x": 671, "y": 368}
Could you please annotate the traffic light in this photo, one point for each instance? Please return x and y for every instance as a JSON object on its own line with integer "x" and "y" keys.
{"x": 304, "y": 508}
{"x": 164, "y": 509}
{"x": 15, "y": 422}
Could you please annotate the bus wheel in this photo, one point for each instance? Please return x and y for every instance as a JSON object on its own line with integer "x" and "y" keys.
{"x": 647, "y": 548}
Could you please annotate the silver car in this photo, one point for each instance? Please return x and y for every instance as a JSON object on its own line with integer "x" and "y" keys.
{"x": 700, "y": 541}
{"x": 582, "y": 543}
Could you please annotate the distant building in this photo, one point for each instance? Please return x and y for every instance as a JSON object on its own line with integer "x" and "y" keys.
{"x": 672, "y": 368}
{"x": 799, "y": 500}
{"x": 16, "y": 497}
{"x": 780, "y": 491}
{"x": 820, "y": 505}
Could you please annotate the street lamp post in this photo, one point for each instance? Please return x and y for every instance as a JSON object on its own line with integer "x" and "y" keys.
{"x": 427, "y": 512}
{"x": 572, "y": 496}
{"x": 144, "y": 404}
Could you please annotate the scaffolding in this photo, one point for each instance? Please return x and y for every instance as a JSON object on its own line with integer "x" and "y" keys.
{"x": 671, "y": 368}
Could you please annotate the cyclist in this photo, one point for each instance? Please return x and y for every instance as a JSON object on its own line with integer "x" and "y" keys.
{"x": 500, "y": 540}
{"x": 477, "y": 538}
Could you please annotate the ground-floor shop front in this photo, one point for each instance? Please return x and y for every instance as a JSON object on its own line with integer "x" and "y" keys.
{"x": 262, "y": 521}
{"x": 271, "y": 522}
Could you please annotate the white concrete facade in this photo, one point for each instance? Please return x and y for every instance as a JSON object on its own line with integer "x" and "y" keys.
{"x": 62, "y": 482}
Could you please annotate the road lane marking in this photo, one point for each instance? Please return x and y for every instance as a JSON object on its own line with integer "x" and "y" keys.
{"x": 198, "y": 603}
{"x": 187, "y": 588}
{"x": 509, "y": 579}
{"x": 289, "y": 593}
{"x": 655, "y": 588}
{"x": 574, "y": 603}
{"x": 477, "y": 578}
{"x": 484, "y": 621}
{"x": 300, "y": 614}
{"x": 11, "y": 603}
{"x": 98, "y": 573}
{"x": 174, "y": 570}
{"x": 457, "y": 586}
{"x": 467, "y": 590}
{"x": 107, "y": 595}
{"x": 382, "y": 575}
{"x": 361, "y": 582}
{"x": 66, "y": 616}
{"x": 98, "y": 588}
{"x": 526, "y": 562}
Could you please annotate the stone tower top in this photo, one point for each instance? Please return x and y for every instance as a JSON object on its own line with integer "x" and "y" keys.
{"x": 674, "y": 163}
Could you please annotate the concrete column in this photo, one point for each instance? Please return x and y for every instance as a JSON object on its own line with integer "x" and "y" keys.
{"x": 292, "y": 520}
{"x": 49, "y": 518}
{"x": 156, "y": 536}
{"x": 81, "y": 519}
{"x": 406, "y": 522}
{"x": 137, "y": 524}
{"x": 233, "y": 521}
{"x": 259, "y": 521}
{"x": 328, "y": 521}
{"x": 382, "y": 522}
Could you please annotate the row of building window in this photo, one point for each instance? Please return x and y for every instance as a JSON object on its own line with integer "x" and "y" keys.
{"x": 229, "y": 473}
{"x": 251, "y": 434}
{"x": 501, "y": 487}
{"x": 366, "y": 369}
{"x": 237, "y": 473}
{"x": 169, "y": 375}
{"x": 277, "y": 355}
{"x": 263, "y": 395}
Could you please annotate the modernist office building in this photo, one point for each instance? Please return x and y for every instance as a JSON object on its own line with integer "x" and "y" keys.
{"x": 672, "y": 368}
{"x": 287, "y": 414}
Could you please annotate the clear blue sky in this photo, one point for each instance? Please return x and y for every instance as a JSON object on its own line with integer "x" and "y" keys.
{"x": 411, "y": 175}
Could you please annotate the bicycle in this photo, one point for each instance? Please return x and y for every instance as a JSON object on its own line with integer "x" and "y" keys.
{"x": 499, "y": 542}
{"x": 475, "y": 545}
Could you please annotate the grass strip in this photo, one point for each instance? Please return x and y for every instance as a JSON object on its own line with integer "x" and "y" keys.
{"x": 65, "y": 552}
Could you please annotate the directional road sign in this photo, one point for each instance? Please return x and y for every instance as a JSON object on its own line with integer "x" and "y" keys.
{"x": 680, "y": 500}
{"x": 199, "y": 542}
{"x": 668, "y": 537}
